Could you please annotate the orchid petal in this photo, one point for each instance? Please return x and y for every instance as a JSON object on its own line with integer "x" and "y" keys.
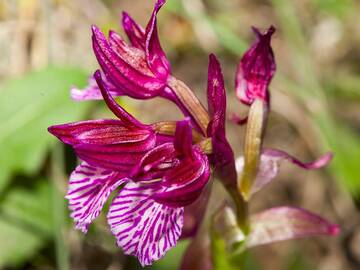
{"x": 279, "y": 155}
{"x": 92, "y": 91}
{"x": 114, "y": 107}
{"x": 106, "y": 143}
{"x": 155, "y": 55}
{"x": 89, "y": 189}
{"x": 256, "y": 69}
{"x": 285, "y": 223}
{"x": 155, "y": 163}
{"x": 134, "y": 31}
{"x": 125, "y": 66}
{"x": 223, "y": 157}
{"x": 143, "y": 227}
{"x": 270, "y": 162}
{"x": 183, "y": 137}
{"x": 185, "y": 181}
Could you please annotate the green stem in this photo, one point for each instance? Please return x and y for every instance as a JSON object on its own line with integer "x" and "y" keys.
{"x": 59, "y": 208}
{"x": 242, "y": 211}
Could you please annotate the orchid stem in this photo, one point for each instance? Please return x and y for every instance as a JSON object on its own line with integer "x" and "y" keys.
{"x": 242, "y": 211}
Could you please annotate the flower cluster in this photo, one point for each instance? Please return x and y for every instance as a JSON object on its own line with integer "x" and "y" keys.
{"x": 161, "y": 171}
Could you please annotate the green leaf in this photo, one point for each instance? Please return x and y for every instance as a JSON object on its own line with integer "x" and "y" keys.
{"x": 25, "y": 223}
{"x": 29, "y": 105}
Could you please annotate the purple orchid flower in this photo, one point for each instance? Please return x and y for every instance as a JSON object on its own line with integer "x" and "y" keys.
{"x": 161, "y": 171}
{"x": 160, "y": 178}
{"x": 256, "y": 69}
{"x": 254, "y": 74}
{"x": 139, "y": 70}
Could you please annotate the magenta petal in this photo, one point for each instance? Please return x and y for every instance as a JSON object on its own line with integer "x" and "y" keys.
{"x": 98, "y": 132}
{"x": 106, "y": 143}
{"x": 270, "y": 162}
{"x": 285, "y": 223}
{"x": 142, "y": 227}
{"x": 134, "y": 31}
{"x": 183, "y": 137}
{"x": 256, "y": 69}
{"x": 125, "y": 66}
{"x": 155, "y": 55}
{"x": 184, "y": 183}
{"x": 155, "y": 163}
{"x": 89, "y": 189}
{"x": 116, "y": 108}
{"x": 92, "y": 91}
{"x": 223, "y": 156}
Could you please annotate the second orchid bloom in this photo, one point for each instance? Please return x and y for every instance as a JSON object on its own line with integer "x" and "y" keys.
{"x": 161, "y": 172}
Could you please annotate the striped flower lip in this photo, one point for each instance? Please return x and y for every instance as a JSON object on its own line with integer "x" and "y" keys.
{"x": 158, "y": 178}
{"x": 256, "y": 69}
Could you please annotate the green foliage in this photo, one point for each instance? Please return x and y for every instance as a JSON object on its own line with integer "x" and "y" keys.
{"x": 28, "y": 106}
{"x": 333, "y": 134}
{"x": 25, "y": 223}
{"x": 336, "y": 7}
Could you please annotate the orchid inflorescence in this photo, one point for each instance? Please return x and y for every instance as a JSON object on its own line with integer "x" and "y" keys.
{"x": 161, "y": 170}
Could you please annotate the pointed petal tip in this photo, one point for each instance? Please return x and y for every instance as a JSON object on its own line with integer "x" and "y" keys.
{"x": 213, "y": 60}
{"x": 326, "y": 159}
{"x": 160, "y": 3}
{"x": 271, "y": 29}
{"x": 212, "y": 57}
{"x": 268, "y": 33}
{"x": 94, "y": 28}
{"x": 52, "y": 130}
{"x": 126, "y": 20}
{"x": 125, "y": 16}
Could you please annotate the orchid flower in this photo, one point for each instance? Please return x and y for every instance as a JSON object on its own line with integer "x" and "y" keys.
{"x": 140, "y": 69}
{"x": 160, "y": 172}
{"x": 259, "y": 166}
{"x": 255, "y": 71}
{"x": 160, "y": 177}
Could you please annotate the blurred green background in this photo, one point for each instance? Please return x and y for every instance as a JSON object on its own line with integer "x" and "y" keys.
{"x": 45, "y": 48}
